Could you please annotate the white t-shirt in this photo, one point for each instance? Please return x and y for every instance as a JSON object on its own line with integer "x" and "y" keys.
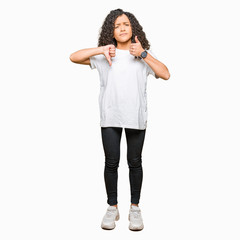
{"x": 123, "y": 89}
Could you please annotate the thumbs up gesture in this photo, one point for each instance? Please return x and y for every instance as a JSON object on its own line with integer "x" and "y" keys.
{"x": 136, "y": 48}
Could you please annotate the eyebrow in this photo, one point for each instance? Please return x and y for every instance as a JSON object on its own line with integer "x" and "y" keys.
{"x": 123, "y": 22}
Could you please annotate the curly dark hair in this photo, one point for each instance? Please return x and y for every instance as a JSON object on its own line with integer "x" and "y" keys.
{"x": 106, "y": 35}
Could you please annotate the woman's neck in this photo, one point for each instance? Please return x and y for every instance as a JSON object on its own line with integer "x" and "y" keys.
{"x": 124, "y": 46}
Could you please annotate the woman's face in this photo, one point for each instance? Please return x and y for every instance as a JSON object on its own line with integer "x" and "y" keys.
{"x": 122, "y": 29}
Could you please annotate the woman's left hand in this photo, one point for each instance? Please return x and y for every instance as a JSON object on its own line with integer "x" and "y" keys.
{"x": 136, "y": 48}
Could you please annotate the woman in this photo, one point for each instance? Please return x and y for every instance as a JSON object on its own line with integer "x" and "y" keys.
{"x": 124, "y": 61}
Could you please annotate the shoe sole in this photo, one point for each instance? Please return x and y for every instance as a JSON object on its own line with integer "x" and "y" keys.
{"x": 105, "y": 227}
{"x": 134, "y": 228}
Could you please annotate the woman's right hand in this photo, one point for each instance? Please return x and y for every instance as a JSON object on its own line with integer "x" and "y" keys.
{"x": 109, "y": 51}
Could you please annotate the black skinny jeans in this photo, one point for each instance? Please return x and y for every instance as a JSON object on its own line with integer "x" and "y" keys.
{"x": 111, "y": 137}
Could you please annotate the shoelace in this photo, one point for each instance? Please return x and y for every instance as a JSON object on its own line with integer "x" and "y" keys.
{"x": 110, "y": 213}
{"x": 136, "y": 213}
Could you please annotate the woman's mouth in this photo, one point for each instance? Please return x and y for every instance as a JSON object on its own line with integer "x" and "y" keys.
{"x": 123, "y": 34}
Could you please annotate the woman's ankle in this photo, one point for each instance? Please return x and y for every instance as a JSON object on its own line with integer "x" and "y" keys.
{"x": 133, "y": 204}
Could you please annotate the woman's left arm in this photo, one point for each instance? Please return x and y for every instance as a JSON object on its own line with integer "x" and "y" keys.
{"x": 159, "y": 68}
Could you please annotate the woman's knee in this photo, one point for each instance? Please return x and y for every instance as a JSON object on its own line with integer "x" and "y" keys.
{"x": 112, "y": 163}
{"x": 135, "y": 162}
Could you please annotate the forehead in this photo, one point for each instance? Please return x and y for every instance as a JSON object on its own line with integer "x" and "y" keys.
{"x": 121, "y": 19}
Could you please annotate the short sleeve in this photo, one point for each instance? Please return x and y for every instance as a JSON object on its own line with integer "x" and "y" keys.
{"x": 93, "y": 62}
{"x": 149, "y": 69}
{"x": 98, "y": 62}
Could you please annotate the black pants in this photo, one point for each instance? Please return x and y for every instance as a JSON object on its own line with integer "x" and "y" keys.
{"x": 111, "y": 137}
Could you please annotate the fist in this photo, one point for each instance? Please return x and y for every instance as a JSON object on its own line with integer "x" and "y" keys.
{"x": 109, "y": 52}
{"x": 136, "y": 48}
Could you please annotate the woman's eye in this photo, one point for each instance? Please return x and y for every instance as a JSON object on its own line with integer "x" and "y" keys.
{"x": 125, "y": 24}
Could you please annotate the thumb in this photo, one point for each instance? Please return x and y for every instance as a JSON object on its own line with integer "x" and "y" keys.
{"x": 136, "y": 39}
{"x": 109, "y": 60}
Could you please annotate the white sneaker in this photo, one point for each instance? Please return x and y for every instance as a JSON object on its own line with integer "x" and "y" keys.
{"x": 135, "y": 218}
{"x": 110, "y": 217}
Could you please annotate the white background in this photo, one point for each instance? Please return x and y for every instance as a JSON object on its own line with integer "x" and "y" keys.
{"x": 52, "y": 159}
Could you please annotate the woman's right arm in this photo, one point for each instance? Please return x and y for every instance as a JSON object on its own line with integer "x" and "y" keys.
{"x": 82, "y": 56}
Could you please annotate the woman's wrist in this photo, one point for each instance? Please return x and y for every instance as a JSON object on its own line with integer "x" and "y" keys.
{"x": 100, "y": 49}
